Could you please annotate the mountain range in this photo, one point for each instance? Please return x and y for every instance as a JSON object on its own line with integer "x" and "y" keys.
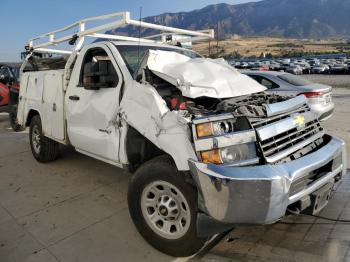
{"x": 277, "y": 18}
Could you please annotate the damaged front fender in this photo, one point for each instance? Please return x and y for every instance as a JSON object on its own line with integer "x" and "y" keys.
{"x": 145, "y": 110}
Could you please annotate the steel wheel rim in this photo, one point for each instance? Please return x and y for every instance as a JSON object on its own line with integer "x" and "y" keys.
{"x": 165, "y": 210}
{"x": 36, "y": 139}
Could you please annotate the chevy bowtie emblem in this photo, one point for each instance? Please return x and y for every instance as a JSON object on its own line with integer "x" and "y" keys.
{"x": 299, "y": 120}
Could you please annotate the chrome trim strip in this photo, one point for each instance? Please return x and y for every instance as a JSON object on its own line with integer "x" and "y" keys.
{"x": 232, "y": 139}
{"x": 282, "y": 107}
{"x": 282, "y": 126}
{"x": 285, "y": 153}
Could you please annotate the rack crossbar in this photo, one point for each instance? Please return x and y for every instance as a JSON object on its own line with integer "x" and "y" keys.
{"x": 122, "y": 19}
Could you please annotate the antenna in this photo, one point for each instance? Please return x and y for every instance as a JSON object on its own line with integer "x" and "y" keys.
{"x": 217, "y": 39}
{"x": 138, "y": 47}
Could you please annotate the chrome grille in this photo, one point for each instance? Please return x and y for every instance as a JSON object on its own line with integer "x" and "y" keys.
{"x": 279, "y": 136}
{"x": 259, "y": 122}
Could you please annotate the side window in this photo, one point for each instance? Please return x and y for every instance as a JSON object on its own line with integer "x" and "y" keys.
{"x": 256, "y": 78}
{"x": 265, "y": 82}
{"x": 268, "y": 83}
{"x": 97, "y": 70}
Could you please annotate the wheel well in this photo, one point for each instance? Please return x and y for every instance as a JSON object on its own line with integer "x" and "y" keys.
{"x": 139, "y": 149}
{"x": 31, "y": 114}
{"x": 13, "y": 98}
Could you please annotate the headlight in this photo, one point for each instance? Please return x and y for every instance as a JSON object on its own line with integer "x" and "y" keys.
{"x": 215, "y": 128}
{"x": 229, "y": 155}
{"x": 222, "y": 127}
{"x": 224, "y": 139}
{"x": 238, "y": 153}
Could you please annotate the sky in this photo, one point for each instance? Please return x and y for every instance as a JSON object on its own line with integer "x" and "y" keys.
{"x": 23, "y": 19}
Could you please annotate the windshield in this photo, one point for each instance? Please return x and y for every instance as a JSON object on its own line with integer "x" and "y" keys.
{"x": 133, "y": 54}
{"x": 294, "y": 80}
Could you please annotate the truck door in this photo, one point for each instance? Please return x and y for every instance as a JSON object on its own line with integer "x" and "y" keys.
{"x": 92, "y": 103}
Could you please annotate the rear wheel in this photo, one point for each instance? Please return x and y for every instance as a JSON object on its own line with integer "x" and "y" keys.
{"x": 163, "y": 207}
{"x": 13, "y": 118}
{"x": 43, "y": 149}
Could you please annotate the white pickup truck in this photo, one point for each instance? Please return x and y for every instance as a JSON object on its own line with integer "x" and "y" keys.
{"x": 207, "y": 147}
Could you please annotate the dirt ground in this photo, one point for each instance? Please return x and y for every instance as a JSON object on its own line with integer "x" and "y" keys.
{"x": 255, "y": 46}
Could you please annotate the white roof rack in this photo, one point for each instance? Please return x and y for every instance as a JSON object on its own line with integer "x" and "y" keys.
{"x": 121, "y": 19}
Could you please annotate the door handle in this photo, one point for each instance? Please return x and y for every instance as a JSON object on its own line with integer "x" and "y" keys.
{"x": 74, "y": 98}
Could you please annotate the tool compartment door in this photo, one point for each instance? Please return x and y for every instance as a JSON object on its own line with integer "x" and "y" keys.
{"x": 53, "y": 99}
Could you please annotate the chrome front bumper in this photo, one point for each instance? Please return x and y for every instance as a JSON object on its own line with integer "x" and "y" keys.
{"x": 261, "y": 194}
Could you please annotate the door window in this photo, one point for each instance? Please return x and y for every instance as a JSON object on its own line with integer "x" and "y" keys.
{"x": 268, "y": 83}
{"x": 265, "y": 82}
{"x": 98, "y": 70}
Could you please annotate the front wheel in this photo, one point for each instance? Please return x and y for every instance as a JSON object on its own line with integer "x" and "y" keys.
{"x": 163, "y": 207}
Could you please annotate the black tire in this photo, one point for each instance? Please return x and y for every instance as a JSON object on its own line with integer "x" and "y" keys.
{"x": 13, "y": 118}
{"x": 163, "y": 169}
{"x": 48, "y": 150}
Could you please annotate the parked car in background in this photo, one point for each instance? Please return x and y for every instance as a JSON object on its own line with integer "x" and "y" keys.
{"x": 305, "y": 66}
{"x": 319, "y": 96}
{"x": 297, "y": 66}
{"x": 9, "y": 92}
{"x": 275, "y": 66}
{"x": 339, "y": 69}
{"x": 4, "y": 97}
{"x": 294, "y": 69}
{"x": 320, "y": 69}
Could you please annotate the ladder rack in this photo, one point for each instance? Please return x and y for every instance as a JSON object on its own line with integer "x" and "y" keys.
{"x": 118, "y": 20}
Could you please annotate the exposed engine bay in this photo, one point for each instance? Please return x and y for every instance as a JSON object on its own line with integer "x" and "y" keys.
{"x": 168, "y": 73}
{"x": 247, "y": 105}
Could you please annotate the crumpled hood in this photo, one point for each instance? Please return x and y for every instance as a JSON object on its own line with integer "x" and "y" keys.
{"x": 199, "y": 77}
